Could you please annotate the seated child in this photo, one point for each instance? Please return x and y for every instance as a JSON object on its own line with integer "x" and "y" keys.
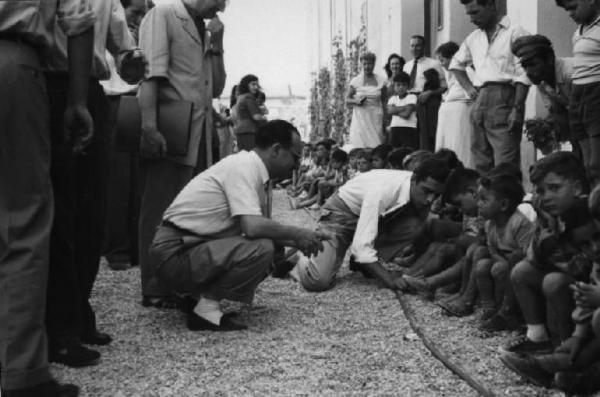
{"x": 402, "y": 107}
{"x": 397, "y": 156}
{"x": 379, "y": 156}
{"x": 335, "y": 177}
{"x": 363, "y": 161}
{"x": 508, "y": 233}
{"x": 352, "y": 162}
{"x": 305, "y": 164}
{"x": 557, "y": 256}
{"x": 317, "y": 169}
{"x": 575, "y": 365}
{"x": 461, "y": 189}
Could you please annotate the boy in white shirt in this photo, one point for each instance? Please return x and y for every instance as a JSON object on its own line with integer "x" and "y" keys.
{"x": 402, "y": 107}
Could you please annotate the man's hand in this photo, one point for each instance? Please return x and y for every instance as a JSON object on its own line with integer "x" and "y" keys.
{"x": 310, "y": 242}
{"x": 424, "y": 97}
{"x": 400, "y": 284}
{"x": 79, "y": 127}
{"x": 515, "y": 121}
{"x": 152, "y": 144}
{"x": 586, "y": 295}
{"x": 216, "y": 30}
{"x": 133, "y": 67}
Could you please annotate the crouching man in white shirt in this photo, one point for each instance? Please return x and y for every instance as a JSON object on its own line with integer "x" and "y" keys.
{"x": 216, "y": 240}
{"x": 380, "y": 210}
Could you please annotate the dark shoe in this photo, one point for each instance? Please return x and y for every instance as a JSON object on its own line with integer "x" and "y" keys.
{"x": 160, "y": 302}
{"x": 580, "y": 383}
{"x": 528, "y": 368}
{"x": 354, "y": 266}
{"x": 75, "y": 356}
{"x": 187, "y": 304}
{"x": 420, "y": 286}
{"x": 197, "y": 323}
{"x": 525, "y": 346}
{"x": 498, "y": 322}
{"x": 48, "y": 389}
{"x": 456, "y": 308}
{"x": 96, "y": 338}
{"x": 280, "y": 269}
{"x": 487, "y": 311}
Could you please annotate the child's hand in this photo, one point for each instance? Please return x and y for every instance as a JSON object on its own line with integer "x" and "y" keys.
{"x": 586, "y": 295}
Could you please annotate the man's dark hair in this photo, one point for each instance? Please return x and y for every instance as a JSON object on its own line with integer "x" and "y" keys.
{"x": 402, "y": 77}
{"x": 564, "y": 164}
{"x": 449, "y": 157}
{"x": 419, "y": 37}
{"x": 447, "y": 50}
{"x": 505, "y": 187}
{"x": 125, "y": 3}
{"x": 275, "y": 131}
{"x": 381, "y": 151}
{"x": 458, "y": 182}
{"x": 506, "y": 169}
{"x": 432, "y": 168}
{"x": 245, "y": 83}
{"x": 340, "y": 156}
{"x": 397, "y": 156}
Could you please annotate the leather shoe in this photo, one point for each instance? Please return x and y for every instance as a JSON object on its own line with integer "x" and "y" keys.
{"x": 197, "y": 323}
{"x": 96, "y": 338}
{"x": 48, "y": 389}
{"x": 75, "y": 355}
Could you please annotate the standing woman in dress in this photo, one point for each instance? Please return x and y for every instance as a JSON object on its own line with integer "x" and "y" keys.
{"x": 366, "y": 95}
{"x": 454, "y": 126}
{"x": 248, "y": 113}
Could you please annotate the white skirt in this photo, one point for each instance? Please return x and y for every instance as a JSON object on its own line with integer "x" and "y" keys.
{"x": 366, "y": 127}
{"x": 454, "y": 130}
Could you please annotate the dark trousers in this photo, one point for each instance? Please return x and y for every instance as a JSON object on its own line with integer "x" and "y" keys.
{"x": 80, "y": 184}
{"x": 121, "y": 234}
{"x": 161, "y": 181}
{"x": 427, "y": 118}
{"x": 26, "y": 209}
{"x": 404, "y": 136}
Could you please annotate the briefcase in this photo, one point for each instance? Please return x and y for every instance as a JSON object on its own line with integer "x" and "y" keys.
{"x": 174, "y": 119}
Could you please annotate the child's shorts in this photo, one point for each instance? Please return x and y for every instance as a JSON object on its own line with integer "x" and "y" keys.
{"x": 584, "y": 114}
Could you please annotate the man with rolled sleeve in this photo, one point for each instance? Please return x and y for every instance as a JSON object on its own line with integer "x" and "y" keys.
{"x": 216, "y": 240}
{"x": 26, "y": 201}
{"x": 500, "y": 89}
{"x": 79, "y": 177}
{"x": 185, "y": 62}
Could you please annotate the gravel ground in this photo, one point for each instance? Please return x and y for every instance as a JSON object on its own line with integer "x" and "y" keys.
{"x": 352, "y": 340}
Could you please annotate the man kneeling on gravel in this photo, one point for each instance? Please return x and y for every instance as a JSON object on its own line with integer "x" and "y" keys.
{"x": 216, "y": 240}
{"x": 375, "y": 211}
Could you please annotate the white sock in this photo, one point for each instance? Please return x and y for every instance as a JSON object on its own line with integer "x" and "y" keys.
{"x": 537, "y": 333}
{"x": 209, "y": 309}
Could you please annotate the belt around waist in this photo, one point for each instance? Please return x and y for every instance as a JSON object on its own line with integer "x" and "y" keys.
{"x": 491, "y": 84}
{"x": 23, "y": 52}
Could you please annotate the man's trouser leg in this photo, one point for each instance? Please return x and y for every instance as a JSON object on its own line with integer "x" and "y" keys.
{"x": 162, "y": 180}
{"x": 26, "y": 211}
{"x": 228, "y": 268}
{"x": 505, "y": 144}
{"x": 481, "y": 150}
{"x": 396, "y": 232}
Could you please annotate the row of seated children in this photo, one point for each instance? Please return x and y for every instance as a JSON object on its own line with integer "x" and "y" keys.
{"x": 530, "y": 263}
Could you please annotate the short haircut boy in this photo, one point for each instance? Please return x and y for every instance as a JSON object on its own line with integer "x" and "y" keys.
{"x": 339, "y": 156}
{"x": 458, "y": 182}
{"x": 325, "y": 143}
{"x": 449, "y": 157}
{"x": 506, "y": 169}
{"x": 505, "y": 187}
{"x": 381, "y": 151}
{"x": 563, "y": 164}
{"x": 397, "y": 156}
{"x": 402, "y": 78}
{"x": 364, "y": 154}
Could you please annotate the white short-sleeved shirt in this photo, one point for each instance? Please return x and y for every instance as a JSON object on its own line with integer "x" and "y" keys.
{"x": 397, "y": 121}
{"x": 211, "y": 203}
{"x": 586, "y": 52}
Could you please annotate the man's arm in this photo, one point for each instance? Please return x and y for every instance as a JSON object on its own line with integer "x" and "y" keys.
{"x": 152, "y": 143}
{"x": 79, "y": 125}
{"x": 216, "y": 29}
{"x": 517, "y": 114}
{"x": 307, "y": 241}
{"x": 466, "y": 83}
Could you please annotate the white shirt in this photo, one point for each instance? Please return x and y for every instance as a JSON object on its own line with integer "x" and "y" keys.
{"x": 371, "y": 195}
{"x": 211, "y": 203}
{"x": 423, "y": 64}
{"x": 398, "y": 121}
{"x": 586, "y": 51}
{"x": 493, "y": 61}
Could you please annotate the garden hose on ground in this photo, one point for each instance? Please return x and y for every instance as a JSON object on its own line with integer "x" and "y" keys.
{"x": 437, "y": 353}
